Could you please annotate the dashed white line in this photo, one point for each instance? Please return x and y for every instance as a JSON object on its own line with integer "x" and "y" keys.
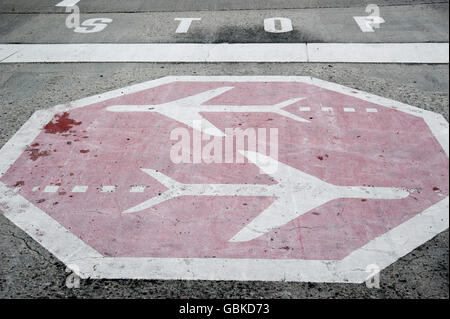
{"x": 378, "y": 52}
{"x": 79, "y": 189}
{"x": 137, "y": 189}
{"x": 51, "y": 189}
{"x": 108, "y": 189}
{"x": 84, "y": 189}
{"x": 330, "y": 109}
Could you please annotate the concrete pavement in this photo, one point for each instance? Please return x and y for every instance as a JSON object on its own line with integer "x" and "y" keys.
{"x": 420, "y": 23}
{"x": 28, "y": 270}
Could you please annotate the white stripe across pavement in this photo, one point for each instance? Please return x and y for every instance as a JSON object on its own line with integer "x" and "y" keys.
{"x": 225, "y": 52}
{"x": 67, "y": 3}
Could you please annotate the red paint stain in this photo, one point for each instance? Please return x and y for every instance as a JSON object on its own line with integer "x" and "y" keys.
{"x": 285, "y": 248}
{"x": 19, "y": 183}
{"x": 35, "y": 153}
{"x": 35, "y": 145}
{"x": 363, "y": 200}
{"x": 84, "y": 151}
{"x": 60, "y": 124}
{"x": 320, "y": 158}
{"x": 435, "y": 188}
{"x": 40, "y": 201}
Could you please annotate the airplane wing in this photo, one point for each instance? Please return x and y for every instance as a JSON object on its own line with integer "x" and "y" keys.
{"x": 201, "y": 98}
{"x": 182, "y": 110}
{"x": 281, "y": 212}
{"x": 193, "y": 119}
{"x": 288, "y": 206}
{"x": 302, "y": 193}
{"x": 171, "y": 192}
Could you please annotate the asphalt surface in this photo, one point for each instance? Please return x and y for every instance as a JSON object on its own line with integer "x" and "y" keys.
{"x": 28, "y": 270}
{"x": 131, "y": 6}
{"x": 420, "y": 23}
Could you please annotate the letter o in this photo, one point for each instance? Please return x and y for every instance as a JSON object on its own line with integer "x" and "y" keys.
{"x": 285, "y": 23}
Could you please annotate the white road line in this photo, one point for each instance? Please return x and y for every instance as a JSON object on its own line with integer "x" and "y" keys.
{"x": 185, "y": 23}
{"x": 108, "y": 189}
{"x": 176, "y": 52}
{"x": 6, "y": 53}
{"x": 248, "y": 52}
{"x": 137, "y": 189}
{"x": 51, "y": 189}
{"x": 79, "y": 189}
{"x": 67, "y": 3}
{"x": 330, "y": 109}
{"x": 378, "y": 52}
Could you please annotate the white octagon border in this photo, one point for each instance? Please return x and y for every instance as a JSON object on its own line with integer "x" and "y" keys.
{"x": 88, "y": 263}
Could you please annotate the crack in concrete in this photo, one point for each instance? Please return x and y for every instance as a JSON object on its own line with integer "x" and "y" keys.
{"x": 27, "y": 245}
{"x": 8, "y": 56}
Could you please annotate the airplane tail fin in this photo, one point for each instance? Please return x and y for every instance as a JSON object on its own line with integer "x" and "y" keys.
{"x": 197, "y": 99}
{"x": 279, "y": 109}
{"x": 288, "y": 102}
{"x": 163, "y": 179}
{"x": 173, "y": 187}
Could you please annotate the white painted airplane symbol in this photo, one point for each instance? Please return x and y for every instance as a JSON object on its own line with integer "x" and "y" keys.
{"x": 187, "y": 110}
{"x": 297, "y": 193}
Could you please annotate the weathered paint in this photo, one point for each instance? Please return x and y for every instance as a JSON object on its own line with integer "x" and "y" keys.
{"x": 78, "y": 201}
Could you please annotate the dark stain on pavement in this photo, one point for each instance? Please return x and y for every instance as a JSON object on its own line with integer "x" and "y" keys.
{"x": 60, "y": 124}
{"x": 254, "y": 34}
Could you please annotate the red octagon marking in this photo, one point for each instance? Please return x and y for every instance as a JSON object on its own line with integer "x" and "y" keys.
{"x": 348, "y": 141}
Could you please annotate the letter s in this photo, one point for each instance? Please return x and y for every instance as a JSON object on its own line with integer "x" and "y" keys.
{"x": 93, "y": 25}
